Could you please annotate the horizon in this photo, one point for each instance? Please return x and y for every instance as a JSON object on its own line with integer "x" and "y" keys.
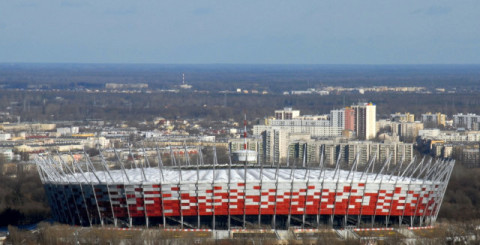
{"x": 265, "y": 32}
{"x": 239, "y": 64}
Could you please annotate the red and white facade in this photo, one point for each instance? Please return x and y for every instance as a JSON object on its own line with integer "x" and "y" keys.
{"x": 225, "y": 196}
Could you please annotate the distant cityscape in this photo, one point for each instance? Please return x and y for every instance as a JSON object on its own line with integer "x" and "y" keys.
{"x": 144, "y": 88}
{"x": 286, "y": 134}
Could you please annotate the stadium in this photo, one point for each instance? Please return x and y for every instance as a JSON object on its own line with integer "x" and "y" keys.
{"x": 241, "y": 195}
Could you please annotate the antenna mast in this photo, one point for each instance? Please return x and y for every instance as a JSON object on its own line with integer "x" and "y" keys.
{"x": 245, "y": 133}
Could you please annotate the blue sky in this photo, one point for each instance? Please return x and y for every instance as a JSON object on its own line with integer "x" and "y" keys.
{"x": 241, "y": 32}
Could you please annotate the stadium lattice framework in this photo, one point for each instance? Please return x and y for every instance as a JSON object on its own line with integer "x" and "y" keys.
{"x": 226, "y": 196}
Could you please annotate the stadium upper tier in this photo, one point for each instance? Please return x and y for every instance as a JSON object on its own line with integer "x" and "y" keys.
{"x": 221, "y": 174}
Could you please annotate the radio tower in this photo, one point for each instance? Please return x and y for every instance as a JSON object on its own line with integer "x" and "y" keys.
{"x": 244, "y": 155}
{"x": 184, "y": 85}
{"x": 245, "y": 133}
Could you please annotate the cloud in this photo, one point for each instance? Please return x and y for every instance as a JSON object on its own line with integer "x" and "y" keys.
{"x": 433, "y": 11}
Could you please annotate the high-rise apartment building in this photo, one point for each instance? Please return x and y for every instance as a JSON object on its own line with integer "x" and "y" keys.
{"x": 406, "y": 130}
{"x": 289, "y": 125}
{"x": 433, "y": 120}
{"x": 469, "y": 121}
{"x": 348, "y": 151}
{"x": 402, "y": 117}
{"x": 349, "y": 119}
{"x": 286, "y": 114}
{"x": 337, "y": 118}
{"x": 365, "y": 120}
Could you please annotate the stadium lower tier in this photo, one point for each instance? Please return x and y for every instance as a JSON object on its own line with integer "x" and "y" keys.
{"x": 345, "y": 203}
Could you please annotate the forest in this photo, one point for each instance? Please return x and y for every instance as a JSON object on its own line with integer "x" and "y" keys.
{"x": 22, "y": 197}
{"x": 77, "y": 106}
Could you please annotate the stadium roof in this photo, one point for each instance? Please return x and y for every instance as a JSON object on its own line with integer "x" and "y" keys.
{"x": 153, "y": 175}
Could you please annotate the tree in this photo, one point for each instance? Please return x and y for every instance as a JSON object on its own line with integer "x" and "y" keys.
{"x": 10, "y": 217}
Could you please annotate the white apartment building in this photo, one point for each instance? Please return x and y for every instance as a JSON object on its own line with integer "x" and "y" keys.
{"x": 450, "y": 136}
{"x": 68, "y": 130}
{"x": 348, "y": 151}
{"x": 365, "y": 120}
{"x": 469, "y": 121}
{"x": 286, "y": 114}
{"x": 289, "y": 125}
{"x": 5, "y": 136}
{"x": 337, "y": 118}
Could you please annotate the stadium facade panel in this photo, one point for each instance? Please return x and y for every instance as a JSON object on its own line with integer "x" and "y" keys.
{"x": 225, "y": 196}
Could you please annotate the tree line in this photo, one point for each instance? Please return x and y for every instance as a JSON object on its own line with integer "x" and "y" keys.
{"x": 48, "y": 106}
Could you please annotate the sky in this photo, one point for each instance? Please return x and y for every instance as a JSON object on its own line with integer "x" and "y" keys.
{"x": 240, "y": 32}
